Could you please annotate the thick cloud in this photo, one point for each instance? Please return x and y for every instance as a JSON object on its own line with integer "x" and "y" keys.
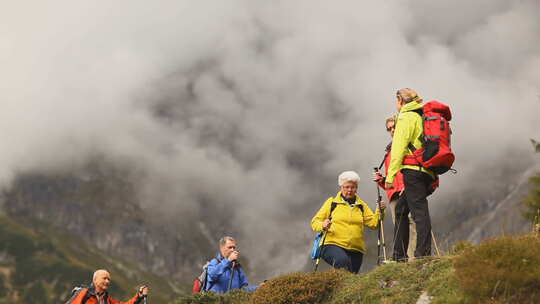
{"x": 256, "y": 106}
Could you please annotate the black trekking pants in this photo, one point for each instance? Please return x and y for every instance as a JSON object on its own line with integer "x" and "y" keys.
{"x": 413, "y": 200}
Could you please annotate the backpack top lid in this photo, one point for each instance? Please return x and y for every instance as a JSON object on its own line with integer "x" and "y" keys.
{"x": 437, "y": 107}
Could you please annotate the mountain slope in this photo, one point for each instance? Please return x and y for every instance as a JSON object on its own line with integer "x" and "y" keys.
{"x": 499, "y": 215}
{"x": 40, "y": 264}
{"x": 101, "y": 205}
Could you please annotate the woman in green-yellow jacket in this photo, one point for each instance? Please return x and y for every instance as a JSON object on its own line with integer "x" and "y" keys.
{"x": 344, "y": 246}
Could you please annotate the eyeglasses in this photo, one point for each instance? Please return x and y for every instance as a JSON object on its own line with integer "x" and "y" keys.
{"x": 388, "y": 129}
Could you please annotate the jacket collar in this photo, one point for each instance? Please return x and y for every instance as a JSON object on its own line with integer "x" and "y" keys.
{"x": 338, "y": 199}
{"x": 92, "y": 291}
{"x": 411, "y": 106}
{"x": 219, "y": 257}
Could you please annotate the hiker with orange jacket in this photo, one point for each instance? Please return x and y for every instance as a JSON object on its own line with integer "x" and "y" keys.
{"x": 394, "y": 193}
{"x": 417, "y": 179}
{"x": 97, "y": 293}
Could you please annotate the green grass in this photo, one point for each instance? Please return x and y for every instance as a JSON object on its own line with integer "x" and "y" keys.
{"x": 391, "y": 283}
{"x": 394, "y": 283}
{"x": 502, "y": 270}
{"x": 234, "y": 297}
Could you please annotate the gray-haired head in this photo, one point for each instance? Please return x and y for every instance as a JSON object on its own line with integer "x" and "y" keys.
{"x": 348, "y": 176}
{"x": 97, "y": 273}
{"x": 224, "y": 240}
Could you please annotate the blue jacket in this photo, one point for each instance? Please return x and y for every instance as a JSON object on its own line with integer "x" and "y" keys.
{"x": 219, "y": 274}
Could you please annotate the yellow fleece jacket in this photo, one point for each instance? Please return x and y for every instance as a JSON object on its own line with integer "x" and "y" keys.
{"x": 409, "y": 129}
{"x": 347, "y": 229}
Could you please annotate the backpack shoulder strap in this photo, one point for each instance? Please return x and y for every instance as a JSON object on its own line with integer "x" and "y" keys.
{"x": 419, "y": 111}
{"x": 86, "y": 296}
{"x": 203, "y": 278}
{"x": 79, "y": 293}
{"x": 360, "y": 206}
{"x": 332, "y": 207}
{"x": 204, "y": 271}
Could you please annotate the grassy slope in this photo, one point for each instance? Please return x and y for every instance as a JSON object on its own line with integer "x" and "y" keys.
{"x": 42, "y": 266}
{"x": 502, "y": 270}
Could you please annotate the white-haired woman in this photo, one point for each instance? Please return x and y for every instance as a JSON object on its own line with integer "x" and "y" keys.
{"x": 344, "y": 246}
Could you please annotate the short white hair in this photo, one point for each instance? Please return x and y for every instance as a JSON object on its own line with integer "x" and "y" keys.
{"x": 97, "y": 272}
{"x": 348, "y": 176}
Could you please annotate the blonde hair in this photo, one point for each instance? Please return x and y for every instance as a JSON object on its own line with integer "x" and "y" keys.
{"x": 390, "y": 119}
{"x": 408, "y": 95}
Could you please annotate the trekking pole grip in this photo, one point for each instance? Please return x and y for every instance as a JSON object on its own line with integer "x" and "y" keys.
{"x": 379, "y": 197}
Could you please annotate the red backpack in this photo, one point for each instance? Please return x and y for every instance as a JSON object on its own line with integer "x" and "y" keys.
{"x": 199, "y": 284}
{"x": 436, "y": 154}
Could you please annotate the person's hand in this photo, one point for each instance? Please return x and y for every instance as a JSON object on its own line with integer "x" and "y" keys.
{"x": 143, "y": 290}
{"x": 388, "y": 186}
{"x": 233, "y": 256}
{"x": 326, "y": 224}
{"x": 382, "y": 205}
{"x": 377, "y": 177}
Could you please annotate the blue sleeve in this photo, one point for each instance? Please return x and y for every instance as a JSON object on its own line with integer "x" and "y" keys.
{"x": 250, "y": 288}
{"x": 216, "y": 269}
{"x": 244, "y": 282}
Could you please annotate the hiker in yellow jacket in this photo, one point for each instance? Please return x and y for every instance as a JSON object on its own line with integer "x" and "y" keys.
{"x": 409, "y": 131}
{"x": 344, "y": 246}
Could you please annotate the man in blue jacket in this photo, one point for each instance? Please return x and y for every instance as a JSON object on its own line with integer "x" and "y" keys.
{"x": 224, "y": 271}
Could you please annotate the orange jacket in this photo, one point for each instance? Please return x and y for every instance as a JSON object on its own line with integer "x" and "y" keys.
{"x": 398, "y": 181}
{"x": 79, "y": 296}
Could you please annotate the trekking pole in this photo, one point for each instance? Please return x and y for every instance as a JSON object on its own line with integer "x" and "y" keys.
{"x": 536, "y": 223}
{"x": 232, "y": 275}
{"x": 435, "y": 243}
{"x": 378, "y": 247}
{"x": 144, "y": 297}
{"x": 322, "y": 248}
{"x": 380, "y": 240}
